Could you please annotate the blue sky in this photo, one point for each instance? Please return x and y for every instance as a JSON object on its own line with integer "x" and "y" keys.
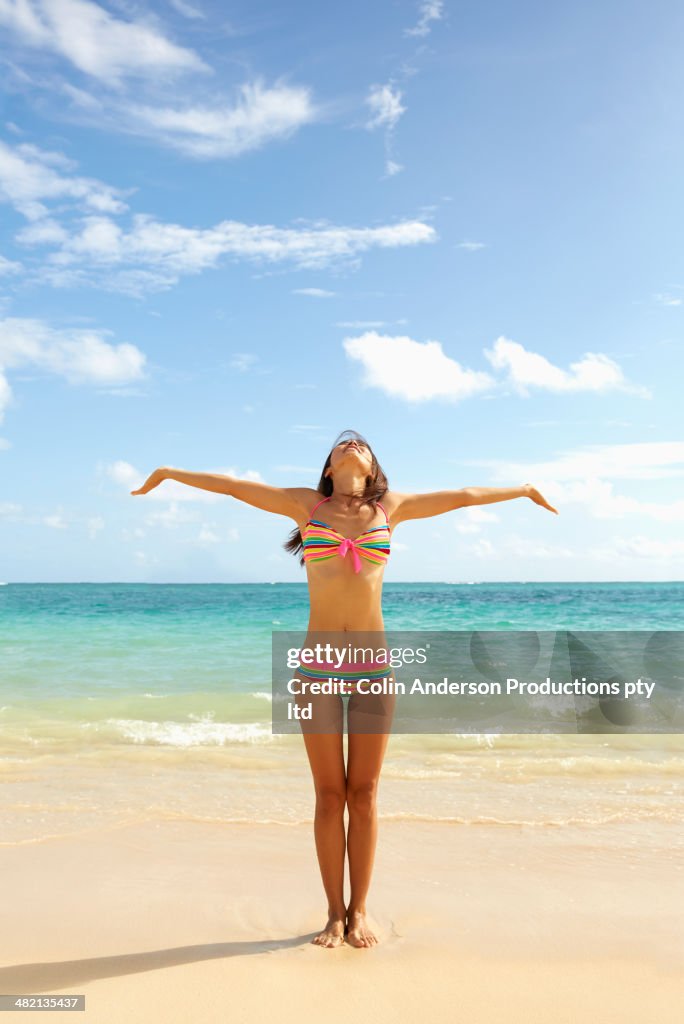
{"x": 230, "y": 231}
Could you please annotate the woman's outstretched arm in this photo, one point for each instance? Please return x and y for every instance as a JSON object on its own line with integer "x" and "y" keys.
{"x": 284, "y": 501}
{"x": 421, "y": 506}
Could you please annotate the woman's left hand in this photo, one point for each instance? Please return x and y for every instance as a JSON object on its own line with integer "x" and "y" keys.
{"x": 154, "y": 479}
{"x": 539, "y": 499}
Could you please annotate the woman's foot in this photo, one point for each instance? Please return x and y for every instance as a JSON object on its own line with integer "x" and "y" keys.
{"x": 332, "y": 934}
{"x": 358, "y": 933}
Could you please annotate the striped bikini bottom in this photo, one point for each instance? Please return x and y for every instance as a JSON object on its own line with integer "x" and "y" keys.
{"x": 346, "y": 675}
{"x": 360, "y": 702}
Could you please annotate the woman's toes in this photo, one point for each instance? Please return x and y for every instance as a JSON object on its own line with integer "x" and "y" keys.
{"x": 332, "y": 934}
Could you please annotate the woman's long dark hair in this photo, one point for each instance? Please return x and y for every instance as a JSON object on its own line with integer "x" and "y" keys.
{"x": 376, "y": 488}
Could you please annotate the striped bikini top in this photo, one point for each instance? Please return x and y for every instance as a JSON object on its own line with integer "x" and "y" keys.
{"x": 321, "y": 542}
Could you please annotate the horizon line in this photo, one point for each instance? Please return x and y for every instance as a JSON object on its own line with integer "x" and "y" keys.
{"x": 291, "y": 583}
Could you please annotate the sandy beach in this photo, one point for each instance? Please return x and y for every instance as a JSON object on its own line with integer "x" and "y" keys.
{"x": 182, "y": 920}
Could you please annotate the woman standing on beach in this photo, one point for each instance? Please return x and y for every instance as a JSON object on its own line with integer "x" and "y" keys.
{"x": 345, "y": 552}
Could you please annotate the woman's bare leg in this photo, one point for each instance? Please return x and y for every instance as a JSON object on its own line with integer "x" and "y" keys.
{"x": 326, "y": 757}
{"x": 365, "y": 756}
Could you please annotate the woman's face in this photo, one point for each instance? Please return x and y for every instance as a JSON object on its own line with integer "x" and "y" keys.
{"x": 351, "y": 453}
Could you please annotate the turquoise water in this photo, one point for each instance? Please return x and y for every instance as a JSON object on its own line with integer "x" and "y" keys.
{"x": 189, "y": 664}
{"x": 122, "y": 701}
{"x": 116, "y": 641}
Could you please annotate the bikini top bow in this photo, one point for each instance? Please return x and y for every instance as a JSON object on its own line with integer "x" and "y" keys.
{"x": 349, "y": 545}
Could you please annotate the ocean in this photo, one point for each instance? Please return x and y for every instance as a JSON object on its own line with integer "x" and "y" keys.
{"x": 128, "y": 702}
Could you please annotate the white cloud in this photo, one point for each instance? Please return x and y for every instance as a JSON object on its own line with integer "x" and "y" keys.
{"x": 410, "y": 369}
{"x": 81, "y": 99}
{"x": 473, "y": 246}
{"x": 640, "y": 547}
{"x": 385, "y": 105}
{"x": 465, "y": 527}
{"x": 598, "y": 496}
{"x": 594, "y": 372}
{"x": 154, "y": 254}
{"x": 80, "y": 356}
{"x": 124, "y": 473}
{"x": 6, "y": 397}
{"x": 259, "y": 115}
{"x": 42, "y": 232}
{"x": 482, "y": 549}
{"x": 524, "y": 547}
{"x": 56, "y": 522}
{"x": 667, "y": 300}
{"x": 86, "y": 245}
{"x": 317, "y": 293}
{"x": 207, "y": 535}
{"x": 404, "y": 368}
{"x": 94, "y": 41}
{"x": 187, "y": 10}
{"x": 136, "y": 533}
{"x": 470, "y": 519}
{"x": 242, "y": 361}
{"x": 584, "y": 477}
{"x": 650, "y": 460}
{"x": 170, "y": 517}
{"x": 202, "y": 125}
{"x": 11, "y": 511}
{"x": 429, "y": 10}
{"x": 94, "y": 525}
{"x": 132, "y": 66}
{"x": 478, "y": 514}
{"x": 29, "y": 177}
{"x": 8, "y": 267}
{"x": 142, "y": 558}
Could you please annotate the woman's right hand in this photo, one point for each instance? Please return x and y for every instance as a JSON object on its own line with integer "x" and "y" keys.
{"x": 153, "y": 480}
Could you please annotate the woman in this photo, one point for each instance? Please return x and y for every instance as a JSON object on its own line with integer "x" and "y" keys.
{"x": 345, "y": 552}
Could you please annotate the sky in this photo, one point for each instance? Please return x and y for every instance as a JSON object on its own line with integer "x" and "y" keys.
{"x": 232, "y": 230}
